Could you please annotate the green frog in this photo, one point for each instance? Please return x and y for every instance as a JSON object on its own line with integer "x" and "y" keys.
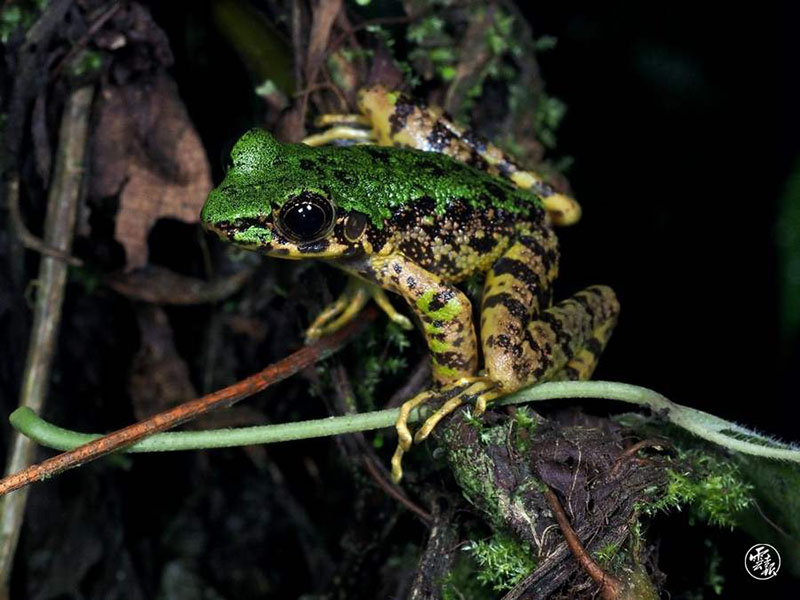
{"x": 415, "y": 205}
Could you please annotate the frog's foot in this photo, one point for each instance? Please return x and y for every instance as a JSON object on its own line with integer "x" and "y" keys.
{"x": 563, "y": 210}
{"x": 352, "y": 128}
{"x": 480, "y": 390}
{"x": 341, "y": 311}
{"x": 346, "y": 307}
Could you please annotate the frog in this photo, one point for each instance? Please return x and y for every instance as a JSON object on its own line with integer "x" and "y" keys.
{"x": 416, "y": 215}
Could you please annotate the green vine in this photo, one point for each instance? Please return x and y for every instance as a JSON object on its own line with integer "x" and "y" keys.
{"x": 708, "y": 427}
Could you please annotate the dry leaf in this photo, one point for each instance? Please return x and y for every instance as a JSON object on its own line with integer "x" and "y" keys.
{"x": 147, "y": 153}
{"x": 159, "y": 376}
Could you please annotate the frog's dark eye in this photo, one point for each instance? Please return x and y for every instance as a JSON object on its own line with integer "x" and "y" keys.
{"x": 306, "y": 217}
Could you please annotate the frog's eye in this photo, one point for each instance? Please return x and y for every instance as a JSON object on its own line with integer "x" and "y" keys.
{"x": 306, "y": 217}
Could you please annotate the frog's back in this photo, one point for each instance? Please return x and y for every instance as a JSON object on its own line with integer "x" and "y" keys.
{"x": 377, "y": 180}
{"x": 449, "y": 218}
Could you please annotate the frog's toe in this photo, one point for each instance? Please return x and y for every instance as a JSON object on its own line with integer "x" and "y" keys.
{"x": 431, "y": 422}
{"x": 340, "y": 312}
{"x": 382, "y": 300}
{"x": 404, "y": 437}
{"x": 397, "y": 464}
{"x": 466, "y": 389}
{"x": 483, "y": 400}
{"x": 481, "y": 389}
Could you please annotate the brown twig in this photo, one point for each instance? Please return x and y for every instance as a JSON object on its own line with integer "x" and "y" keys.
{"x": 363, "y": 452}
{"x": 84, "y": 40}
{"x": 378, "y": 22}
{"x": 415, "y": 383}
{"x": 631, "y": 451}
{"x": 393, "y": 490}
{"x": 173, "y": 417}
{"x": 62, "y": 207}
{"x": 26, "y": 238}
{"x": 610, "y": 587}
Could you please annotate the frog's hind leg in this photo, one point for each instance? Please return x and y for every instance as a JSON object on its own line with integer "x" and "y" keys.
{"x": 340, "y": 128}
{"x": 581, "y": 366}
{"x": 562, "y": 342}
{"x": 562, "y": 208}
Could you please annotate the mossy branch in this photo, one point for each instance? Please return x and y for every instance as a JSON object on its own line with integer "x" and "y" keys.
{"x": 708, "y": 427}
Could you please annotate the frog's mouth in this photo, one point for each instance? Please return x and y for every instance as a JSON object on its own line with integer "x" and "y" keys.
{"x": 261, "y": 235}
{"x": 254, "y": 233}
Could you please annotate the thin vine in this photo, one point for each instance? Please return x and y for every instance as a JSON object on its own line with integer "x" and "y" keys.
{"x": 706, "y": 426}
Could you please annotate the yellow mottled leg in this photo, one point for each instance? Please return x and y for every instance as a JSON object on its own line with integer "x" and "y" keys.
{"x": 563, "y": 209}
{"x": 336, "y": 315}
{"x": 382, "y": 300}
{"x": 581, "y": 366}
{"x": 341, "y": 132}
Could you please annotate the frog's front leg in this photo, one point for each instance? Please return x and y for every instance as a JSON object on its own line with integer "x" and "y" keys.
{"x": 443, "y": 310}
{"x": 342, "y": 310}
{"x": 446, "y": 317}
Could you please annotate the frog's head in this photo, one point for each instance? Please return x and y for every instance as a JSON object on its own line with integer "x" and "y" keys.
{"x": 274, "y": 199}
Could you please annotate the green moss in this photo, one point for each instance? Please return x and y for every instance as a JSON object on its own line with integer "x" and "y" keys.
{"x": 502, "y": 561}
{"x": 89, "y": 61}
{"x": 606, "y": 554}
{"x": 18, "y": 15}
{"x": 474, "y": 472}
{"x": 369, "y": 179}
{"x": 549, "y": 113}
{"x": 712, "y": 488}
{"x": 383, "y": 349}
{"x": 524, "y": 429}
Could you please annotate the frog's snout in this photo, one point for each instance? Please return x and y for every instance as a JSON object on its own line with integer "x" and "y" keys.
{"x": 213, "y": 210}
{"x": 223, "y": 216}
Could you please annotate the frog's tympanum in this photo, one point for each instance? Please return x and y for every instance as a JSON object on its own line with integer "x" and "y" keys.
{"x": 415, "y": 206}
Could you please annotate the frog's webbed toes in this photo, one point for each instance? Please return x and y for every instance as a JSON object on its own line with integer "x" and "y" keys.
{"x": 480, "y": 390}
{"x": 340, "y": 312}
{"x": 337, "y": 314}
{"x": 382, "y": 300}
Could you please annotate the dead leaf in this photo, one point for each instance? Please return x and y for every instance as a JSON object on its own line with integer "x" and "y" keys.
{"x": 147, "y": 153}
{"x": 159, "y": 376}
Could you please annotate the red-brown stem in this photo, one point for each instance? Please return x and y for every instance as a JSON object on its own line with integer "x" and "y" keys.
{"x": 610, "y": 587}
{"x": 173, "y": 417}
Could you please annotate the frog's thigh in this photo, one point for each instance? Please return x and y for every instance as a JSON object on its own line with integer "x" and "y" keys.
{"x": 445, "y": 313}
{"x": 581, "y": 366}
{"x": 562, "y": 342}
{"x": 517, "y": 288}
